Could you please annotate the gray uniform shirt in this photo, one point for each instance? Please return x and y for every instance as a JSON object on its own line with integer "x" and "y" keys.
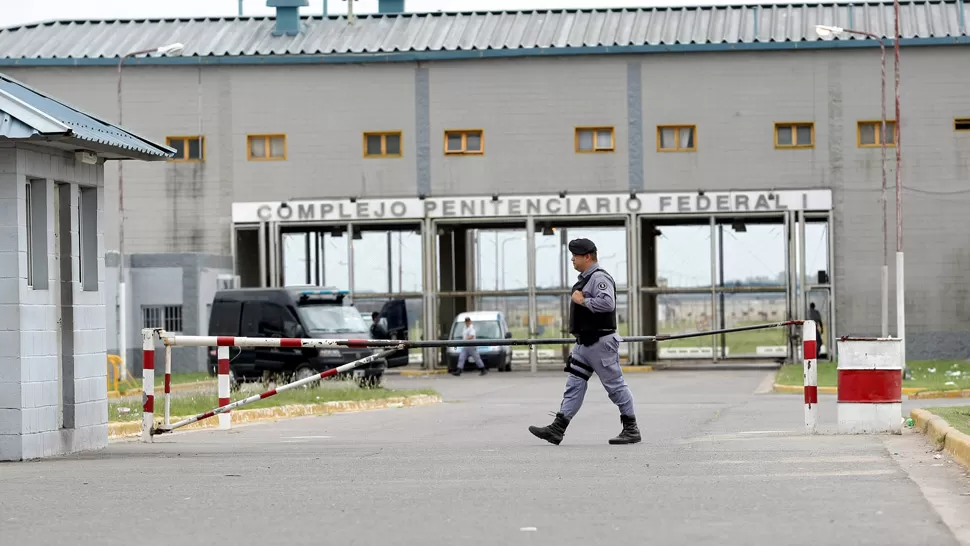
{"x": 599, "y": 292}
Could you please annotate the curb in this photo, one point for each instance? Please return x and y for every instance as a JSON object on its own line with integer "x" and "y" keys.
{"x": 941, "y": 394}
{"x": 937, "y": 429}
{"x": 133, "y": 428}
{"x": 799, "y": 389}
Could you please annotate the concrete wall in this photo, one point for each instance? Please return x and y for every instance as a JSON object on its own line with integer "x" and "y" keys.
{"x": 184, "y": 280}
{"x": 529, "y": 108}
{"x": 53, "y": 393}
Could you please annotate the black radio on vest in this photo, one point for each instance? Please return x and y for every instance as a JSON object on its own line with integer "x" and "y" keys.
{"x": 587, "y": 325}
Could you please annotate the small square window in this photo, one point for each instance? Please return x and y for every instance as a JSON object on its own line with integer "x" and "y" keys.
{"x": 594, "y": 139}
{"x": 187, "y": 148}
{"x": 676, "y": 138}
{"x": 382, "y": 144}
{"x": 870, "y": 133}
{"x": 961, "y": 124}
{"x": 267, "y": 147}
{"x": 469, "y": 142}
{"x": 794, "y": 135}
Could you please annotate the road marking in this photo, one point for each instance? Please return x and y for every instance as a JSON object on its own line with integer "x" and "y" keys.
{"x": 305, "y": 437}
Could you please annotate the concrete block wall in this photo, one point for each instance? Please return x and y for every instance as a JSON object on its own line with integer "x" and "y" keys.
{"x": 53, "y": 352}
{"x": 185, "y": 279}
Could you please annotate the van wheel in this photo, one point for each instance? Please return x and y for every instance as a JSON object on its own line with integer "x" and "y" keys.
{"x": 304, "y": 372}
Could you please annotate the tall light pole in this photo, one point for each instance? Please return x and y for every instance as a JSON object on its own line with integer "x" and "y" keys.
{"x": 900, "y": 278}
{"x": 171, "y": 49}
{"x": 825, "y": 30}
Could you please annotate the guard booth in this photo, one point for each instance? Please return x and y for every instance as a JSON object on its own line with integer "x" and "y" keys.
{"x": 51, "y": 225}
{"x": 486, "y": 252}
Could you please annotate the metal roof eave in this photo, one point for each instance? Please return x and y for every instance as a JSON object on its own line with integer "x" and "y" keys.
{"x": 415, "y": 56}
{"x": 73, "y": 143}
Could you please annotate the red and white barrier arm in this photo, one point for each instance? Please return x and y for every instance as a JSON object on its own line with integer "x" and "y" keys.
{"x": 297, "y": 343}
{"x": 222, "y": 409}
{"x": 810, "y": 357}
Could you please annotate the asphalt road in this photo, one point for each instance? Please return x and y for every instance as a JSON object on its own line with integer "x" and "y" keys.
{"x": 721, "y": 464}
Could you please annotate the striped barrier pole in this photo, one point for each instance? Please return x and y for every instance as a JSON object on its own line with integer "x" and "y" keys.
{"x": 168, "y": 382}
{"x": 305, "y": 343}
{"x": 810, "y": 358}
{"x": 225, "y": 420}
{"x": 223, "y": 409}
{"x": 148, "y": 383}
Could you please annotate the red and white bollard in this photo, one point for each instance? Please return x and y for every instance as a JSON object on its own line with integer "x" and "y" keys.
{"x": 148, "y": 383}
{"x": 810, "y": 358}
{"x": 225, "y": 420}
{"x": 870, "y": 393}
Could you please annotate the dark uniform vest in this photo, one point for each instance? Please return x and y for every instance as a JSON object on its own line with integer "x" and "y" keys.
{"x": 585, "y": 323}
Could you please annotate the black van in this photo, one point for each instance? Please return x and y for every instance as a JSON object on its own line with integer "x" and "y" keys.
{"x": 298, "y": 312}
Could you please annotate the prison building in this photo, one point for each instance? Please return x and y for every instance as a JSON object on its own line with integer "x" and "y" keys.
{"x": 451, "y": 127}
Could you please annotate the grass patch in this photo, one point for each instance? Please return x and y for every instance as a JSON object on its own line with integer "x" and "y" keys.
{"x": 181, "y": 378}
{"x": 932, "y": 375}
{"x": 957, "y": 416}
{"x": 187, "y": 405}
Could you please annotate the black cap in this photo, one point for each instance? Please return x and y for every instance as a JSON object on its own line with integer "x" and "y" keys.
{"x": 581, "y": 246}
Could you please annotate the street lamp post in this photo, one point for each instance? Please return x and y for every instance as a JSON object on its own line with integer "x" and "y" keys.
{"x": 171, "y": 49}
{"x": 824, "y": 30}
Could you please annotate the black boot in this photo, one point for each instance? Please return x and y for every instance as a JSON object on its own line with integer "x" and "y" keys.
{"x": 554, "y": 432}
{"x": 630, "y": 433}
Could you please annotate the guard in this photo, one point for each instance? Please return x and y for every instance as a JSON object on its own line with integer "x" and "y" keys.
{"x": 592, "y": 319}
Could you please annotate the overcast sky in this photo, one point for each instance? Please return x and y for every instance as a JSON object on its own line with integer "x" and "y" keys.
{"x": 16, "y": 12}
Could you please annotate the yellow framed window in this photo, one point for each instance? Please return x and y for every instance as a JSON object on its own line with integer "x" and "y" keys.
{"x": 961, "y": 124}
{"x": 382, "y": 144}
{"x": 676, "y": 138}
{"x": 464, "y": 142}
{"x": 187, "y": 148}
{"x": 595, "y": 139}
{"x": 795, "y": 134}
{"x": 266, "y": 147}
{"x": 869, "y": 133}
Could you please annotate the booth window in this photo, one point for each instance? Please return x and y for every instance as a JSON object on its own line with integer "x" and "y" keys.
{"x": 36, "y": 209}
{"x": 961, "y": 124}
{"x": 266, "y": 147}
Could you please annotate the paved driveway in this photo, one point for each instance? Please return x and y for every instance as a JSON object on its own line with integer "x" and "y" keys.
{"x": 720, "y": 464}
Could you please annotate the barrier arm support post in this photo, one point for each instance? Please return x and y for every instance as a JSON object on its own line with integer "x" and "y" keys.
{"x": 148, "y": 383}
{"x": 810, "y": 358}
{"x": 168, "y": 383}
{"x": 225, "y": 419}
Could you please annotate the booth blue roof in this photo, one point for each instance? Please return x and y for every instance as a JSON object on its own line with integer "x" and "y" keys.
{"x": 30, "y": 115}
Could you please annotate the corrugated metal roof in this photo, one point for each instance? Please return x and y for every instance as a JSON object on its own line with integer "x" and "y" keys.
{"x": 481, "y": 31}
{"x": 70, "y": 123}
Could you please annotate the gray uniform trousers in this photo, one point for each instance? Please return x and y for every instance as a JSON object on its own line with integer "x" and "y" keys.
{"x": 603, "y": 358}
{"x": 467, "y": 352}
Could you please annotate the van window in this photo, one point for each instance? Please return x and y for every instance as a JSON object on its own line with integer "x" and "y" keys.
{"x": 484, "y": 329}
{"x": 277, "y": 321}
{"x": 224, "y": 318}
{"x": 333, "y": 319}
